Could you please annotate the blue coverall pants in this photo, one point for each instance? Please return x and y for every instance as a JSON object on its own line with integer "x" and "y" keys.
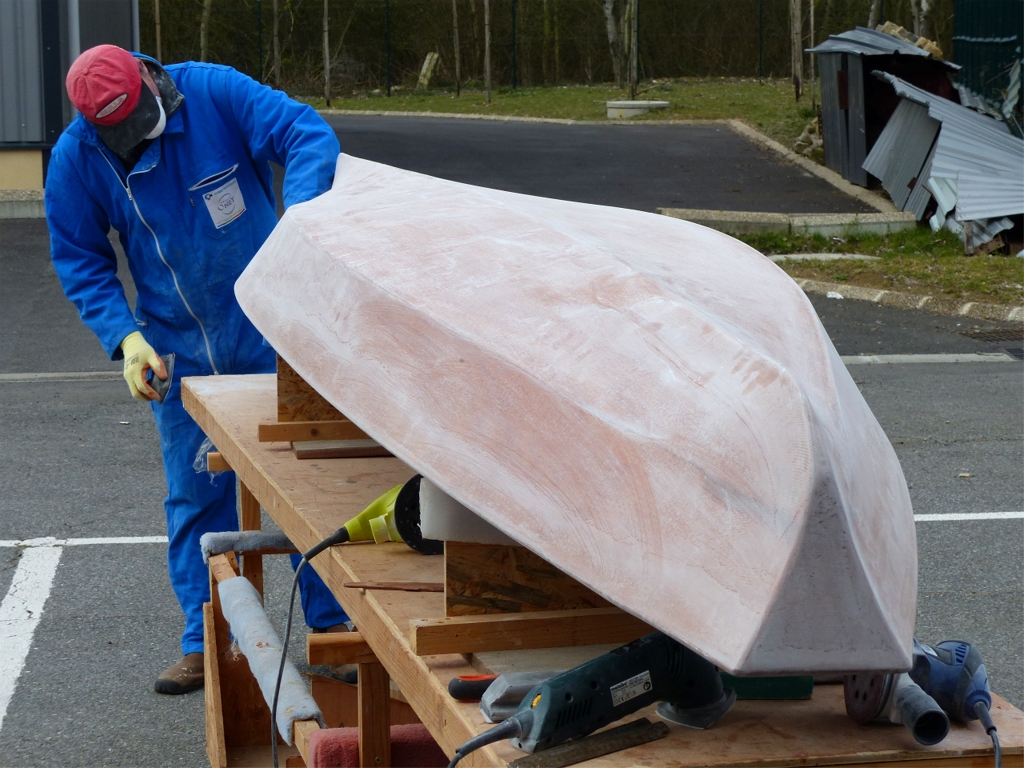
{"x": 197, "y": 503}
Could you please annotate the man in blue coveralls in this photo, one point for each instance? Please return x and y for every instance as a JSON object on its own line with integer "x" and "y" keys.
{"x": 177, "y": 160}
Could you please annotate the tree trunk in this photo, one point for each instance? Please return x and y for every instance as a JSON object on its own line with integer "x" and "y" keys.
{"x": 612, "y": 28}
{"x": 159, "y": 57}
{"x": 327, "y": 57}
{"x": 796, "y": 49}
{"x": 558, "y": 43}
{"x": 455, "y": 32}
{"x": 634, "y": 63}
{"x": 277, "y": 50}
{"x": 921, "y": 10}
{"x": 204, "y": 29}
{"x": 545, "y": 42}
{"x": 873, "y": 15}
{"x": 487, "y": 48}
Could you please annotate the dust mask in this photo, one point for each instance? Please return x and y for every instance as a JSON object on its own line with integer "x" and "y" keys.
{"x": 161, "y": 123}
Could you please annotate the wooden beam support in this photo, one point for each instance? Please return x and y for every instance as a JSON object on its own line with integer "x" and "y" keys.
{"x": 289, "y": 431}
{"x": 301, "y": 732}
{"x": 223, "y": 567}
{"x": 338, "y": 449}
{"x": 520, "y": 631}
{"x": 374, "y": 716}
{"x": 334, "y": 648}
{"x": 215, "y": 462}
{"x": 216, "y": 748}
{"x": 249, "y": 519}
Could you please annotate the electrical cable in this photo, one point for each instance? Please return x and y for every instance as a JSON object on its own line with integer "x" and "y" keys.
{"x": 340, "y": 536}
{"x": 981, "y": 710}
{"x": 514, "y": 726}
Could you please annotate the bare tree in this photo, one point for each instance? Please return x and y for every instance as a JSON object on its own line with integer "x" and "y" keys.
{"x": 796, "y": 47}
{"x": 204, "y": 29}
{"x": 873, "y": 15}
{"x": 277, "y": 50}
{"x": 487, "y": 48}
{"x": 614, "y": 45}
{"x": 455, "y": 24}
{"x": 159, "y": 57}
{"x": 921, "y": 10}
{"x": 327, "y": 57}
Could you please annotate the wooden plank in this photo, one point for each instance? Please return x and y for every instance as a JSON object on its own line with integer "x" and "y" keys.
{"x": 397, "y": 586}
{"x": 216, "y": 750}
{"x": 489, "y": 578}
{"x": 339, "y": 703}
{"x": 215, "y": 462}
{"x": 374, "y": 716}
{"x": 336, "y": 648}
{"x": 249, "y": 519}
{"x": 507, "y": 632}
{"x": 338, "y": 449}
{"x": 301, "y": 731}
{"x": 222, "y": 568}
{"x": 297, "y": 401}
{"x": 283, "y": 432}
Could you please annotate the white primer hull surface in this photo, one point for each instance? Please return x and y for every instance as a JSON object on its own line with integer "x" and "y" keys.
{"x": 650, "y": 405}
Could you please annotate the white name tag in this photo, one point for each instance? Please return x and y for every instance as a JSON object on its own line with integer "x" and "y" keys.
{"x": 225, "y": 203}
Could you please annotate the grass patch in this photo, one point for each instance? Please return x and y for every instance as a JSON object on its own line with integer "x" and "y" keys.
{"x": 769, "y": 105}
{"x": 915, "y": 260}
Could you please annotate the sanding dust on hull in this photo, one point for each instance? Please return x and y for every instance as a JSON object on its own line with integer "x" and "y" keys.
{"x": 650, "y": 405}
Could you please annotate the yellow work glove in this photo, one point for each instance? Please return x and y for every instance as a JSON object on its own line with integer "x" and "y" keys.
{"x": 139, "y": 358}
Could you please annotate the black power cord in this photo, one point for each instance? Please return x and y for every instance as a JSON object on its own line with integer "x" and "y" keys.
{"x": 340, "y": 536}
{"x": 514, "y": 726}
{"x": 981, "y": 710}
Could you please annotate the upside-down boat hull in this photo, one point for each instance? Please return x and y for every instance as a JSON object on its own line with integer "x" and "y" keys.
{"x": 650, "y": 405}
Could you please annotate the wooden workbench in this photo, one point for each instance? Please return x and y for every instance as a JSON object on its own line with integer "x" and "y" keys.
{"x": 310, "y": 499}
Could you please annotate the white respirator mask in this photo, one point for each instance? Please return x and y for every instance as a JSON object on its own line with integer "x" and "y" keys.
{"x": 161, "y": 123}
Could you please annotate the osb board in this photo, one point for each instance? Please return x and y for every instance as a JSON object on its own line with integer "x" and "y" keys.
{"x": 494, "y": 578}
{"x": 339, "y": 704}
{"x": 311, "y": 499}
{"x": 297, "y": 401}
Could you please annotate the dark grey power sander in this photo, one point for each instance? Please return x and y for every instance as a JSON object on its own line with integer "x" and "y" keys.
{"x": 162, "y": 386}
{"x": 578, "y": 702}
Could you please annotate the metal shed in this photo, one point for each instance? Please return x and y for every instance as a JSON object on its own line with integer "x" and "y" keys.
{"x": 855, "y": 108}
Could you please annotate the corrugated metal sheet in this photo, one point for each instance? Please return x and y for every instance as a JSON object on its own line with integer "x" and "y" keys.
{"x": 833, "y": 119}
{"x": 901, "y": 151}
{"x": 987, "y": 40}
{"x": 978, "y": 152}
{"x": 867, "y": 42}
{"x": 21, "y": 72}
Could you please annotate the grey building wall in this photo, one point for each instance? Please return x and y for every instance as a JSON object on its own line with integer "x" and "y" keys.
{"x": 21, "y": 72}
{"x": 39, "y": 39}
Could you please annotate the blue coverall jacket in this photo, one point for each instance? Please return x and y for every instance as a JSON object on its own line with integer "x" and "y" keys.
{"x": 190, "y": 216}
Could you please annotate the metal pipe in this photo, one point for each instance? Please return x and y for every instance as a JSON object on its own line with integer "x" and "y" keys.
{"x": 136, "y": 42}
{"x": 74, "y": 32}
{"x": 458, "y": 69}
{"x": 487, "y": 48}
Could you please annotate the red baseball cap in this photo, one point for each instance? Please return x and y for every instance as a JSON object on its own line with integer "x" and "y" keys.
{"x": 105, "y": 85}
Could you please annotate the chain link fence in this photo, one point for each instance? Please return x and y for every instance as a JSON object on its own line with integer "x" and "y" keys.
{"x": 533, "y": 42}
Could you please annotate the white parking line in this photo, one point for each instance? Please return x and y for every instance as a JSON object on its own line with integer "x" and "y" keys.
{"x": 20, "y": 613}
{"x": 49, "y": 541}
{"x": 977, "y": 357}
{"x": 957, "y": 516}
{"x": 15, "y": 378}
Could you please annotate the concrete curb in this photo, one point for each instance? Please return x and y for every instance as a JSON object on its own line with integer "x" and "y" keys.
{"x": 21, "y": 204}
{"x": 825, "y": 224}
{"x": 900, "y": 300}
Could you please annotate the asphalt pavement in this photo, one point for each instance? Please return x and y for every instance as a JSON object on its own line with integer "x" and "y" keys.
{"x": 81, "y": 459}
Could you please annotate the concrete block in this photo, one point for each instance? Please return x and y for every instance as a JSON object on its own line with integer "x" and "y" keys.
{"x": 21, "y": 204}
{"x": 622, "y": 109}
{"x": 839, "y": 224}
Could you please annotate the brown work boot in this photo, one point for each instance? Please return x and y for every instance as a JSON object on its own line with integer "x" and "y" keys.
{"x": 184, "y": 677}
{"x": 347, "y": 673}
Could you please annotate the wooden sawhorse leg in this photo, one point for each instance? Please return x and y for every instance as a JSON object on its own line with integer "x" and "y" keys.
{"x": 249, "y": 520}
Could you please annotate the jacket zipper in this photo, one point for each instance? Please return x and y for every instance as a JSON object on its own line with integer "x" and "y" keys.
{"x": 128, "y": 190}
